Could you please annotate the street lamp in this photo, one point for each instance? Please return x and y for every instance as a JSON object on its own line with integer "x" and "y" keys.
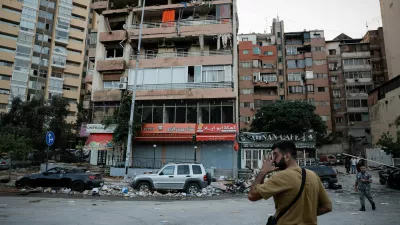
{"x": 195, "y": 152}
{"x": 154, "y": 156}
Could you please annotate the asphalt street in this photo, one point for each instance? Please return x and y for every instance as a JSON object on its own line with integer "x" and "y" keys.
{"x": 27, "y": 210}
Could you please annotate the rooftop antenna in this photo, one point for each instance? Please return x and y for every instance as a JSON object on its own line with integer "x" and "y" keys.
{"x": 366, "y": 24}
{"x": 277, "y": 14}
{"x": 266, "y": 21}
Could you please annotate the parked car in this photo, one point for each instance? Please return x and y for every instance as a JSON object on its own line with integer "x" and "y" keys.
{"x": 327, "y": 175}
{"x": 328, "y": 159}
{"x": 5, "y": 162}
{"x": 76, "y": 179}
{"x": 190, "y": 177}
{"x": 390, "y": 178}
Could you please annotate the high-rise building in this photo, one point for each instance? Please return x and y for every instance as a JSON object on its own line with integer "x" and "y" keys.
{"x": 42, "y": 50}
{"x": 283, "y": 66}
{"x": 186, "y": 80}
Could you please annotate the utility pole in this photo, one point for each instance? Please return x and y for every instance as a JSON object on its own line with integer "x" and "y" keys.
{"x": 129, "y": 145}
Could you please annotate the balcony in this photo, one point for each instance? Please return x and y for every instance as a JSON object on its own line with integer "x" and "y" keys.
{"x": 357, "y": 67}
{"x": 187, "y": 28}
{"x": 111, "y": 64}
{"x": 5, "y": 84}
{"x": 8, "y": 29}
{"x": 117, "y": 35}
{"x": 89, "y": 77}
{"x": 183, "y": 86}
{"x": 357, "y": 109}
{"x": 183, "y": 58}
{"x": 4, "y": 98}
{"x": 36, "y": 85}
{"x": 193, "y": 93}
{"x": 75, "y": 82}
{"x": 364, "y": 54}
{"x": 99, "y": 5}
{"x": 71, "y": 94}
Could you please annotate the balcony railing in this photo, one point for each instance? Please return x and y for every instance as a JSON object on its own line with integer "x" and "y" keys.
{"x": 181, "y": 23}
{"x": 184, "y": 86}
{"x": 154, "y": 55}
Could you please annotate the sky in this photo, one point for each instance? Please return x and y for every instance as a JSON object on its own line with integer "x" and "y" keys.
{"x": 332, "y": 16}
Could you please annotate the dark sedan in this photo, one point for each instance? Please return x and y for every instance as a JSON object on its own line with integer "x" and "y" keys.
{"x": 326, "y": 174}
{"x": 76, "y": 179}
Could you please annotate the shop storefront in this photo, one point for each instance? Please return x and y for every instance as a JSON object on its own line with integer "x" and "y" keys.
{"x": 210, "y": 144}
{"x": 99, "y": 142}
{"x": 255, "y": 146}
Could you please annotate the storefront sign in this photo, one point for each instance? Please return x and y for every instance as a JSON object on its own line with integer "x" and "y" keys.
{"x": 217, "y": 128}
{"x": 266, "y": 140}
{"x": 271, "y": 137}
{"x": 168, "y": 128}
{"x": 100, "y": 129}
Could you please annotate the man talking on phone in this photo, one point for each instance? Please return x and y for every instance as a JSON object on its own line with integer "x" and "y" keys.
{"x": 298, "y": 193}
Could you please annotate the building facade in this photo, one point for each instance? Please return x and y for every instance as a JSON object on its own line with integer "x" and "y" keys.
{"x": 186, "y": 77}
{"x": 383, "y": 100}
{"x": 356, "y": 66}
{"x": 283, "y": 66}
{"x": 390, "y": 12}
{"x": 42, "y": 50}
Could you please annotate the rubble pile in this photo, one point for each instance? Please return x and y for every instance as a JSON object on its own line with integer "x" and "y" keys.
{"x": 125, "y": 191}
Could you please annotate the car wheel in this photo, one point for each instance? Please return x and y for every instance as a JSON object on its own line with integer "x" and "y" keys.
{"x": 192, "y": 188}
{"x": 325, "y": 183}
{"x": 78, "y": 186}
{"x": 22, "y": 183}
{"x": 144, "y": 187}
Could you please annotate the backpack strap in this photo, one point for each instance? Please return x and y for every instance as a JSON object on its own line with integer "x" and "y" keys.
{"x": 303, "y": 181}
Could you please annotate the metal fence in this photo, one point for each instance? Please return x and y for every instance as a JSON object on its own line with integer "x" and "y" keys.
{"x": 150, "y": 54}
{"x": 181, "y": 23}
{"x": 184, "y": 86}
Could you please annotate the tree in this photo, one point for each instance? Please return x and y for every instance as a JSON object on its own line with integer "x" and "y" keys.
{"x": 120, "y": 117}
{"x": 287, "y": 117}
{"x": 389, "y": 144}
{"x": 27, "y": 123}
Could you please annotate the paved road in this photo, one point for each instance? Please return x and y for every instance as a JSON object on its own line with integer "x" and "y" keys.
{"x": 233, "y": 211}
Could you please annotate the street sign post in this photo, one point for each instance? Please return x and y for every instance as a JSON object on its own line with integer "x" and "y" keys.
{"x": 50, "y": 138}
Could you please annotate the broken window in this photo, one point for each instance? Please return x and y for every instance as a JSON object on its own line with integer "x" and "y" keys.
{"x": 114, "y": 51}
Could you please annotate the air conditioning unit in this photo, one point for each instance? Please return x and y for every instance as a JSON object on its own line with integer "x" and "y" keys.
{"x": 334, "y": 81}
{"x": 266, "y": 82}
{"x": 252, "y": 108}
{"x": 351, "y": 123}
{"x": 122, "y": 86}
{"x": 356, "y": 79}
{"x": 123, "y": 80}
{"x": 246, "y": 122}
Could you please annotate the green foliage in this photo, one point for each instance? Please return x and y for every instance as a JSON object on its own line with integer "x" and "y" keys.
{"x": 390, "y": 145}
{"x": 23, "y": 128}
{"x": 121, "y": 118}
{"x": 287, "y": 117}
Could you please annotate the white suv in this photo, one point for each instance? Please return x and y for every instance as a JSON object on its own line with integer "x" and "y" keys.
{"x": 190, "y": 177}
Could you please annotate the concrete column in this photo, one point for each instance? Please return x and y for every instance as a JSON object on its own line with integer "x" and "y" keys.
{"x": 97, "y": 84}
{"x": 169, "y": 2}
{"x": 127, "y": 46}
{"x": 235, "y": 77}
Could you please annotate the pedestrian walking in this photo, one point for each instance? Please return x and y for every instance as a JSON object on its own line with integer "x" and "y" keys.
{"x": 347, "y": 164}
{"x": 363, "y": 186}
{"x": 298, "y": 193}
{"x": 353, "y": 165}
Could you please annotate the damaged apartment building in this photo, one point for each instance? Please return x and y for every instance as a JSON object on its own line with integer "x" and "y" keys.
{"x": 186, "y": 78}
{"x": 283, "y": 66}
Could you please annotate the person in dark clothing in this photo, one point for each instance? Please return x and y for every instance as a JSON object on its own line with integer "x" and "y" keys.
{"x": 347, "y": 164}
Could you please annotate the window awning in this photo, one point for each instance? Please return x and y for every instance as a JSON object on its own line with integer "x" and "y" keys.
{"x": 165, "y": 138}
{"x": 99, "y": 142}
{"x": 216, "y": 137}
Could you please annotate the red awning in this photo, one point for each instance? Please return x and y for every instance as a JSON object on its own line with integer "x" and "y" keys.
{"x": 158, "y": 138}
{"x": 216, "y": 137}
{"x": 99, "y": 142}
